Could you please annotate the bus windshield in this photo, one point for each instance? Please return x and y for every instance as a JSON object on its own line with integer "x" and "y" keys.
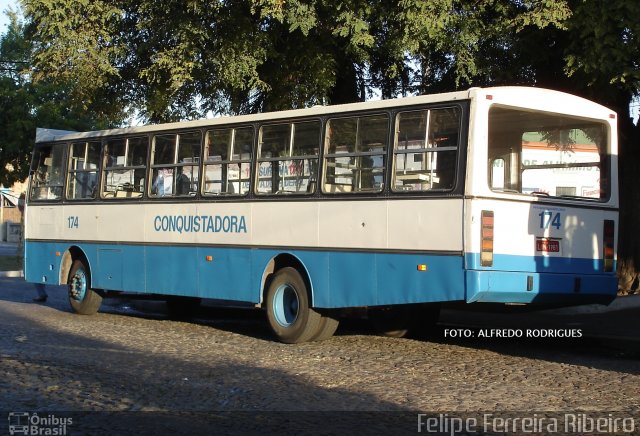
{"x": 540, "y": 153}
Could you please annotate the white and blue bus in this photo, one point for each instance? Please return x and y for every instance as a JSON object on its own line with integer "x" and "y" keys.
{"x": 504, "y": 195}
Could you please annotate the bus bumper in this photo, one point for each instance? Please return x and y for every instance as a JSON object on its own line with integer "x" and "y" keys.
{"x": 543, "y": 288}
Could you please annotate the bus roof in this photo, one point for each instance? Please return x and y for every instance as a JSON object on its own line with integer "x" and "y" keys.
{"x": 49, "y": 135}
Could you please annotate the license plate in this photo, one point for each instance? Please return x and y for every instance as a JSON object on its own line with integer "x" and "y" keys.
{"x": 545, "y": 245}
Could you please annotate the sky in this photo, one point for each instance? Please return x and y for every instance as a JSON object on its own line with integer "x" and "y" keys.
{"x": 4, "y": 21}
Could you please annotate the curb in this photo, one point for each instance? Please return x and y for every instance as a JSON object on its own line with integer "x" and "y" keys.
{"x": 4, "y": 274}
{"x": 620, "y": 303}
{"x": 615, "y": 339}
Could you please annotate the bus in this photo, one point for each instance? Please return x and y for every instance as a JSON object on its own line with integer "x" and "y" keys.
{"x": 489, "y": 195}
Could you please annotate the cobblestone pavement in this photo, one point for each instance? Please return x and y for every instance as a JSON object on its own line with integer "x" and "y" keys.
{"x": 226, "y": 360}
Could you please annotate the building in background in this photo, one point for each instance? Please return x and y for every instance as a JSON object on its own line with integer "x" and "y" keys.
{"x": 9, "y": 212}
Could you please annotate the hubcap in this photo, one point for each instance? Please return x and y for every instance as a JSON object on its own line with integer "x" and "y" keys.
{"x": 78, "y": 286}
{"x": 286, "y": 305}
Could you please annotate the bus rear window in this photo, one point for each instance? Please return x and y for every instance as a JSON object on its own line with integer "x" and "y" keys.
{"x": 47, "y": 175}
{"x": 545, "y": 154}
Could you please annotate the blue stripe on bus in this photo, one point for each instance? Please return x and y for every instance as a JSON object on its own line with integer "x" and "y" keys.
{"x": 558, "y": 265}
{"x": 338, "y": 279}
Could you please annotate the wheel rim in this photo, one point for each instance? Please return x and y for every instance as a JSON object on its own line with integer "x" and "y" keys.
{"x": 286, "y": 305}
{"x": 78, "y": 288}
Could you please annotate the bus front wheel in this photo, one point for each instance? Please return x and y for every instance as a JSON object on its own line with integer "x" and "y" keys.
{"x": 82, "y": 298}
{"x": 288, "y": 308}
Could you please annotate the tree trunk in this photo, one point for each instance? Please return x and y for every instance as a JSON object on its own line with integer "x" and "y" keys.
{"x": 628, "y": 235}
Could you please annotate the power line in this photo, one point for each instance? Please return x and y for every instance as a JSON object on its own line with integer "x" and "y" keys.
{"x": 2, "y": 61}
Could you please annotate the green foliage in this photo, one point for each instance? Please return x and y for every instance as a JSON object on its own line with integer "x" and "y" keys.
{"x": 179, "y": 59}
{"x": 25, "y": 105}
{"x": 605, "y": 47}
{"x": 73, "y": 42}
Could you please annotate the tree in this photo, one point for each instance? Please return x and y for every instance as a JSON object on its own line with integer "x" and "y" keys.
{"x": 179, "y": 60}
{"x": 603, "y": 61}
{"x": 25, "y": 105}
{"x": 175, "y": 60}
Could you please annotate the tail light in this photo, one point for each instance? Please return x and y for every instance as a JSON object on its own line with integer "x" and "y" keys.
{"x": 486, "y": 252}
{"x": 608, "y": 244}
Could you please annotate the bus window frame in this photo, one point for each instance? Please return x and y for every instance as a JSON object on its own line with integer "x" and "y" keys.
{"x": 460, "y": 149}
{"x": 205, "y": 162}
{"x": 174, "y": 165}
{"x": 384, "y": 186}
{"x": 313, "y": 173}
{"x": 105, "y": 168}
{"x": 98, "y": 170}
{"x": 63, "y": 168}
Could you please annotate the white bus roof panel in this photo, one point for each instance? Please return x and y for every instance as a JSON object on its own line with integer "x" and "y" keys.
{"x": 524, "y": 97}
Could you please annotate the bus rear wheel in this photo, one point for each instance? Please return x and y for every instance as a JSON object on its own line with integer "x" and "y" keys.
{"x": 288, "y": 308}
{"x": 82, "y": 298}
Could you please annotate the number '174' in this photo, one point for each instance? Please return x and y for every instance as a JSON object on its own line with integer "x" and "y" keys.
{"x": 550, "y": 219}
{"x": 72, "y": 222}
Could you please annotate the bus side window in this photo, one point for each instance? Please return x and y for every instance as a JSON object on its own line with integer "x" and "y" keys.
{"x": 355, "y": 150}
{"x": 82, "y": 177}
{"x": 288, "y": 158}
{"x": 175, "y": 162}
{"x": 227, "y": 168}
{"x": 426, "y": 149}
{"x": 125, "y": 168}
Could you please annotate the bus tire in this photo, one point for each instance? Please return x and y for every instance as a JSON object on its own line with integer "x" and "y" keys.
{"x": 82, "y": 298}
{"x": 328, "y": 326}
{"x": 288, "y": 308}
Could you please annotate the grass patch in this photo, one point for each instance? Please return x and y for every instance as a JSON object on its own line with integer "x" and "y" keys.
{"x": 10, "y": 263}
